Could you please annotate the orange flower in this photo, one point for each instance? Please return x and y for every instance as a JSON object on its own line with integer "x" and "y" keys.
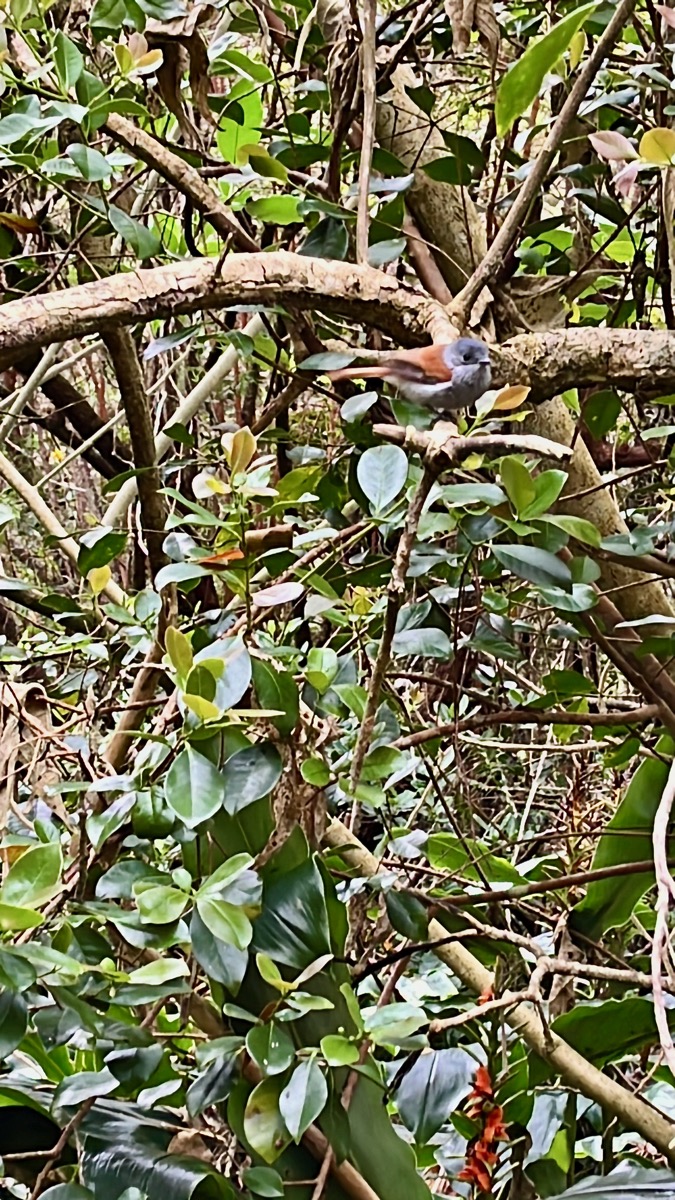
{"x": 481, "y": 1158}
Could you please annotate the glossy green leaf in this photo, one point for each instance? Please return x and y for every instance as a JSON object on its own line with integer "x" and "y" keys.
{"x": 382, "y": 472}
{"x": 627, "y": 838}
{"x": 304, "y": 1098}
{"x": 249, "y": 775}
{"x": 521, "y": 83}
{"x": 34, "y": 878}
{"x": 535, "y": 565}
{"x": 435, "y": 1086}
{"x": 276, "y": 689}
{"x": 194, "y": 788}
{"x": 264, "y": 1126}
{"x": 225, "y": 921}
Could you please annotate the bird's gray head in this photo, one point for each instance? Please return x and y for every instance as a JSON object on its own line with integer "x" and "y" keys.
{"x": 467, "y": 352}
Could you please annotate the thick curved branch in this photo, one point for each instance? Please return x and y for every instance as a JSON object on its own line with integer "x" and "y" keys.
{"x": 551, "y": 363}
{"x": 361, "y": 293}
{"x": 548, "y": 363}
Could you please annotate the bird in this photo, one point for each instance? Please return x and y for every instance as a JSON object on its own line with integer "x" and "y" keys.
{"x": 444, "y": 377}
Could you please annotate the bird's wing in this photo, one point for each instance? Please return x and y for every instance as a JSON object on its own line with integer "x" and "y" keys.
{"x": 420, "y": 366}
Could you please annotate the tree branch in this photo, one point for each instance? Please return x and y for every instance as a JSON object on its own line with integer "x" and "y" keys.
{"x": 122, "y": 350}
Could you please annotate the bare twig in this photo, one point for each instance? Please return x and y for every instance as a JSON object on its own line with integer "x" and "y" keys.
{"x": 519, "y": 716}
{"x": 440, "y": 443}
{"x": 27, "y": 392}
{"x": 368, "y": 77}
{"x": 395, "y": 598}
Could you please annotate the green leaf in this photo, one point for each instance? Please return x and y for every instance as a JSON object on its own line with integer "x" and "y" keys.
{"x": 293, "y": 926}
{"x": 338, "y": 1051}
{"x": 627, "y": 838}
{"x": 430, "y": 643}
{"x": 68, "y": 61}
{"x": 393, "y": 1023}
{"x": 382, "y": 472}
{"x": 521, "y": 83}
{"x": 446, "y": 852}
{"x": 263, "y": 1181}
{"x": 145, "y": 242}
{"x": 35, "y": 877}
{"x": 329, "y": 360}
{"x": 83, "y": 1086}
{"x": 194, "y": 788}
{"x": 277, "y": 689}
{"x": 607, "y": 1031}
{"x": 92, "y": 165}
{"x": 577, "y": 527}
{"x": 179, "y": 651}
{"x": 226, "y": 964}
{"x": 12, "y": 917}
{"x": 304, "y": 1098}
{"x": 357, "y": 406}
{"x": 408, "y": 915}
{"x": 548, "y": 487}
{"x": 271, "y": 1047}
{"x": 264, "y": 1127}
{"x": 434, "y": 1087}
{"x": 99, "y": 547}
{"x": 328, "y": 239}
{"x": 160, "y": 905}
{"x": 519, "y": 484}
{"x": 533, "y": 564}
{"x": 276, "y": 210}
{"x": 322, "y": 667}
{"x": 601, "y": 412}
{"x": 249, "y": 775}
{"x": 162, "y": 970}
{"x": 214, "y": 1084}
{"x": 316, "y": 772}
{"x": 386, "y": 252}
{"x": 13, "y": 1021}
{"x": 226, "y": 921}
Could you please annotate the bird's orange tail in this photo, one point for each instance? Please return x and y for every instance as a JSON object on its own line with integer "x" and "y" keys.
{"x": 357, "y": 373}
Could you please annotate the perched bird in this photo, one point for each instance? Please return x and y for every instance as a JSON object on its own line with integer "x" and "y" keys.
{"x": 444, "y": 378}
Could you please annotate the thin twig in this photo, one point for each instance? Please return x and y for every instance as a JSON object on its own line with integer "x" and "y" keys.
{"x": 60, "y": 1146}
{"x": 26, "y": 393}
{"x": 396, "y": 596}
{"x": 369, "y": 80}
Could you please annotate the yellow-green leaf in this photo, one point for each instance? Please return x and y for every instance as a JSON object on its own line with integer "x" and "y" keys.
{"x": 98, "y": 578}
{"x": 239, "y": 449}
{"x": 179, "y": 651}
{"x": 204, "y": 709}
{"x": 658, "y": 146}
